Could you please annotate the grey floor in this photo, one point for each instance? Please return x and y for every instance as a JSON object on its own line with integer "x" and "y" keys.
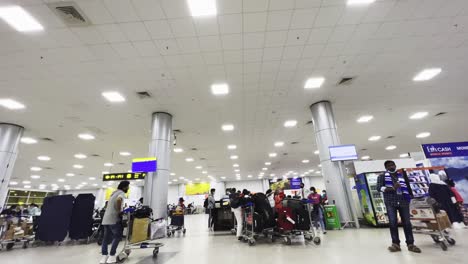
{"x": 200, "y": 246}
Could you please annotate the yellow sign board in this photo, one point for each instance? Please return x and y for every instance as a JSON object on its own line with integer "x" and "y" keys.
{"x": 197, "y": 188}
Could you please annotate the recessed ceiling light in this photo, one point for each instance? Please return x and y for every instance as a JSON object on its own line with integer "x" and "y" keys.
{"x": 404, "y": 155}
{"x": 316, "y": 152}
{"x": 189, "y": 159}
{"x": 43, "y": 158}
{"x": 11, "y": 104}
{"x": 202, "y": 7}
{"x": 236, "y": 170}
{"x": 267, "y": 163}
{"x": 222, "y": 177}
{"x": 61, "y": 180}
{"x": 13, "y": 183}
{"x": 272, "y": 155}
{"x": 220, "y": 89}
{"x": 318, "y": 172}
{"x": 35, "y": 177}
{"x": 290, "y": 123}
{"x": 70, "y": 174}
{"x": 427, "y": 74}
{"x": 227, "y": 127}
{"x": 238, "y": 175}
{"x": 173, "y": 174}
{"x": 125, "y": 153}
{"x": 391, "y": 147}
{"x": 313, "y": 83}
{"x": 178, "y": 150}
{"x": 360, "y": 2}
{"x": 419, "y": 115}
{"x": 320, "y": 165}
{"x": 181, "y": 178}
{"x": 235, "y": 165}
{"x": 86, "y": 136}
{"x": 78, "y": 166}
{"x": 105, "y": 172}
{"x": 28, "y": 140}
{"x": 80, "y": 156}
{"x": 279, "y": 144}
{"x": 365, "y": 157}
{"x": 108, "y": 164}
{"x": 204, "y": 172}
{"x": 113, "y": 97}
{"x": 249, "y": 176}
{"x": 95, "y": 184}
{"x": 264, "y": 169}
{"x": 423, "y": 135}
{"x": 198, "y": 167}
{"x": 19, "y": 19}
{"x": 26, "y": 182}
{"x": 234, "y": 157}
{"x": 27, "y": 186}
{"x": 232, "y": 147}
{"x": 36, "y": 168}
{"x": 84, "y": 183}
{"x": 305, "y": 161}
{"x": 375, "y": 138}
{"x": 365, "y": 119}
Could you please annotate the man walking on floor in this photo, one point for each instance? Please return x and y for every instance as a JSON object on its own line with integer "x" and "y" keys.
{"x": 396, "y": 198}
{"x": 112, "y": 223}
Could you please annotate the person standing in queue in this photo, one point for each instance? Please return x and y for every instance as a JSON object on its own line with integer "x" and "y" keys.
{"x": 112, "y": 223}
{"x": 397, "y": 199}
{"x": 235, "y": 200}
{"x": 317, "y": 211}
{"x": 210, "y": 207}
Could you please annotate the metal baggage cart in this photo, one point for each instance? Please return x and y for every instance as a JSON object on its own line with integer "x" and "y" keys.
{"x": 426, "y": 219}
{"x": 249, "y": 235}
{"x": 309, "y": 235}
{"x": 7, "y": 244}
{"x": 128, "y": 246}
{"x": 177, "y": 223}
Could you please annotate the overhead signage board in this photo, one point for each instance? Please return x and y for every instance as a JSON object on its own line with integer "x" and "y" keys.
{"x": 124, "y": 176}
{"x": 445, "y": 150}
{"x": 343, "y": 152}
{"x": 149, "y": 164}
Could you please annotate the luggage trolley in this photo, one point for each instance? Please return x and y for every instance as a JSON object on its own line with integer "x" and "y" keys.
{"x": 127, "y": 248}
{"x": 8, "y": 243}
{"x": 177, "y": 222}
{"x": 251, "y": 230}
{"x": 311, "y": 235}
{"x": 427, "y": 219}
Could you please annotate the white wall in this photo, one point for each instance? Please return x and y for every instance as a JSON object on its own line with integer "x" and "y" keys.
{"x": 253, "y": 186}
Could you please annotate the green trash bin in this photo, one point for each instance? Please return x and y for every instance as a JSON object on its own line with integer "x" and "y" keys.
{"x": 332, "y": 219}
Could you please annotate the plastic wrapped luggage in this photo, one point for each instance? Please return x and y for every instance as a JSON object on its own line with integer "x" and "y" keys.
{"x": 82, "y": 217}
{"x": 55, "y": 218}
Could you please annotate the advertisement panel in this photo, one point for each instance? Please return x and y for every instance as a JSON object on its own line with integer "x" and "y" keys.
{"x": 197, "y": 188}
{"x": 286, "y": 184}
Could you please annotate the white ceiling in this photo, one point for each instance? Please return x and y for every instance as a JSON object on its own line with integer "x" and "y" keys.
{"x": 264, "y": 50}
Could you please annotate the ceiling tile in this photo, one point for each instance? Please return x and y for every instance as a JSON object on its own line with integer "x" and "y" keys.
{"x": 112, "y": 33}
{"x": 121, "y": 10}
{"x": 342, "y": 33}
{"x": 175, "y": 61}
{"x": 377, "y": 12}
{"x": 282, "y": 4}
{"x": 275, "y": 38}
{"x": 65, "y": 37}
{"x": 320, "y": 35}
{"x": 302, "y": 4}
{"x": 213, "y": 58}
{"x": 96, "y": 11}
{"x": 104, "y": 52}
{"x": 159, "y": 29}
{"x": 232, "y": 42}
{"x": 135, "y": 31}
{"x": 334, "y": 49}
{"x": 232, "y": 56}
{"x": 253, "y": 67}
{"x": 254, "y": 40}
{"x": 175, "y": 8}
{"x": 229, "y": 24}
{"x": 167, "y": 46}
{"x": 292, "y": 52}
{"x": 352, "y": 16}
{"x": 194, "y": 59}
{"x": 188, "y": 45}
{"x": 328, "y": 16}
{"x": 125, "y": 50}
{"x": 402, "y": 10}
{"x": 254, "y": 22}
{"x": 148, "y": 9}
{"x": 297, "y": 37}
{"x": 253, "y": 55}
{"x": 229, "y": 7}
{"x": 304, "y": 18}
{"x": 45, "y": 16}
{"x": 88, "y": 35}
{"x": 255, "y": 6}
{"x": 182, "y": 27}
{"x": 274, "y": 53}
{"x": 210, "y": 43}
{"x": 279, "y": 20}
{"x": 146, "y": 48}
{"x": 207, "y": 26}
{"x": 312, "y": 51}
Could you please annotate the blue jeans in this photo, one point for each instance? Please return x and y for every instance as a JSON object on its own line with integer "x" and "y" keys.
{"x": 405, "y": 220}
{"x": 112, "y": 234}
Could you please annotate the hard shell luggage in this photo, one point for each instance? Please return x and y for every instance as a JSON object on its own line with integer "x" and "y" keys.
{"x": 55, "y": 218}
{"x": 82, "y": 217}
{"x": 285, "y": 219}
{"x": 300, "y": 212}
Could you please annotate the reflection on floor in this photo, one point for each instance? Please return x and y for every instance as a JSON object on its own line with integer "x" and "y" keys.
{"x": 202, "y": 247}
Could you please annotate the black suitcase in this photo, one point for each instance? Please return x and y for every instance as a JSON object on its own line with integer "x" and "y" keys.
{"x": 55, "y": 218}
{"x": 82, "y": 217}
{"x": 266, "y": 215}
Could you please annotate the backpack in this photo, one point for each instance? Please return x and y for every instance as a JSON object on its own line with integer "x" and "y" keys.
{"x": 143, "y": 212}
{"x": 205, "y": 203}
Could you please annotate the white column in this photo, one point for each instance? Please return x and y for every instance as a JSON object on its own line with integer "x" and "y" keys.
{"x": 10, "y": 136}
{"x": 156, "y": 183}
{"x": 335, "y": 178}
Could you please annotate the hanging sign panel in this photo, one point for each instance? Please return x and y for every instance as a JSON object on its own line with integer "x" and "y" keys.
{"x": 124, "y": 176}
{"x": 442, "y": 150}
{"x": 343, "y": 152}
{"x": 144, "y": 164}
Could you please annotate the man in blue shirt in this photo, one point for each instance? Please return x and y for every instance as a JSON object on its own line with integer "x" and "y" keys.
{"x": 396, "y": 198}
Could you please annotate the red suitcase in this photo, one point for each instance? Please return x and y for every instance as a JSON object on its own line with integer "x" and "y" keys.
{"x": 285, "y": 219}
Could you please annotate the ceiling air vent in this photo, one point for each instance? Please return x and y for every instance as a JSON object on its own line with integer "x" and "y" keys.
{"x": 70, "y": 13}
{"x": 390, "y": 137}
{"x": 95, "y": 155}
{"x": 440, "y": 114}
{"x": 144, "y": 94}
{"x": 346, "y": 81}
{"x": 47, "y": 139}
{"x": 294, "y": 142}
{"x": 194, "y": 149}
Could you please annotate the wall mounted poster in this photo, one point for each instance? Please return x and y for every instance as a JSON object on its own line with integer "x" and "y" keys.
{"x": 286, "y": 184}
{"x": 197, "y": 188}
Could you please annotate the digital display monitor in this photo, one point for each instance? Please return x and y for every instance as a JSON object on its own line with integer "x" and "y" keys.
{"x": 343, "y": 152}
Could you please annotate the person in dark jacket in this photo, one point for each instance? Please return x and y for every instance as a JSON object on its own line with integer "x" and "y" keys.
{"x": 396, "y": 198}
{"x": 441, "y": 192}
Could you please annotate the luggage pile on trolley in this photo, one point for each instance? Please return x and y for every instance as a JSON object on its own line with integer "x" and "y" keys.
{"x": 15, "y": 231}
{"x": 177, "y": 221}
{"x": 428, "y": 219}
{"x": 293, "y": 221}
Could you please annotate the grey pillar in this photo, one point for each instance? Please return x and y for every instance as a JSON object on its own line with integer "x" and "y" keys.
{"x": 336, "y": 182}
{"x": 10, "y": 136}
{"x": 156, "y": 183}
